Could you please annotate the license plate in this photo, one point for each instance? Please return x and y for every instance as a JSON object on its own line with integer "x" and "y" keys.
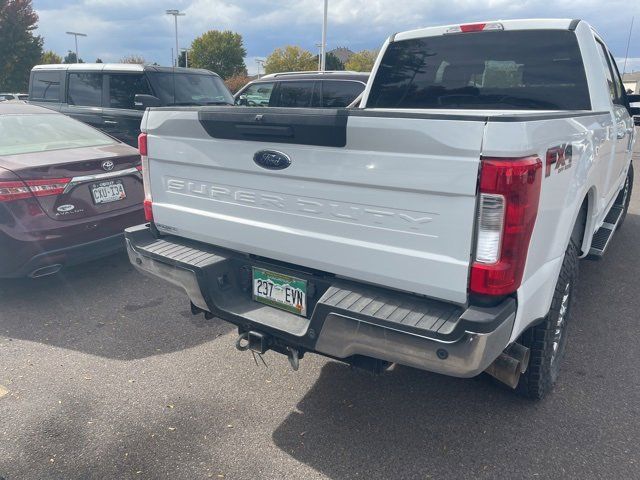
{"x": 281, "y": 291}
{"x": 107, "y": 192}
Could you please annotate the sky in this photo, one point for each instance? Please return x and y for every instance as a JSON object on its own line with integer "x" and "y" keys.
{"x": 117, "y": 28}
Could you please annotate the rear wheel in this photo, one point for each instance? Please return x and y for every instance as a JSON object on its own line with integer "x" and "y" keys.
{"x": 624, "y": 197}
{"x": 548, "y": 339}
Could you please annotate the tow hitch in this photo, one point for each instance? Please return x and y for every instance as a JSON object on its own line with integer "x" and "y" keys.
{"x": 259, "y": 343}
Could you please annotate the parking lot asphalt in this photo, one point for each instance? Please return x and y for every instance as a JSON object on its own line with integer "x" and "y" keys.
{"x": 106, "y": 374}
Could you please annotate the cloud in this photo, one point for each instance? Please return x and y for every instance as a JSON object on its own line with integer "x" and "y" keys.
{"x": 631, "y": 64}
{"x": 120, "y": 27}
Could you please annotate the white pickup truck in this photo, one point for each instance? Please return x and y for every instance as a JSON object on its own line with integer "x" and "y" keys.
{"x": 437, "y": 225}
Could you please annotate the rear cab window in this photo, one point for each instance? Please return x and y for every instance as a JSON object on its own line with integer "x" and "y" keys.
{"x": 45, "y": 86}
{"x": 84, "y": 89}
{"x": 504, "y": 70}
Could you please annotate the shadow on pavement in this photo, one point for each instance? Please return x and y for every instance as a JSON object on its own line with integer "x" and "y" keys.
{"x": 412, "y": 424}
{"x": 103, "y": 308}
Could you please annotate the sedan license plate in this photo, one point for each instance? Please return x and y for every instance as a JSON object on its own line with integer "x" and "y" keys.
{"x": 281, "y": 291}
{"x": 107, "y": 192}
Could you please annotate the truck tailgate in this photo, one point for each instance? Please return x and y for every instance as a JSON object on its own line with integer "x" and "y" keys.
{"x": 394, "y": 206}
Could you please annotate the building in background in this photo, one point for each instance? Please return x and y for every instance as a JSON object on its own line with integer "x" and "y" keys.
{"x": 343, "y": 53}
{"x": 631, "y": 82}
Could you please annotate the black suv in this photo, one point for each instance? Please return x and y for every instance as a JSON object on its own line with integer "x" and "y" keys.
{"x": 303, "y": 89}
{"x": 113, "y": 97}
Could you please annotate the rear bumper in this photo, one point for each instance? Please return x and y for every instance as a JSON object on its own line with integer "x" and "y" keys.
{"x": 347, "y": 318}
{"x": 69, "y": 256}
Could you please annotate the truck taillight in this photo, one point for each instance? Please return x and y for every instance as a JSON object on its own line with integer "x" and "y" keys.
{"x": 142, "y": 144}
{"x": 475, "y": 27}
{"x": 146, "y": 179}
{"x": 508, "y": 206}
{"x": 15, "y": 190}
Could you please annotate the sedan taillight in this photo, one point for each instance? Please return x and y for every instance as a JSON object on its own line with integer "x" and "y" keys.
{"x": 16, "y": 190}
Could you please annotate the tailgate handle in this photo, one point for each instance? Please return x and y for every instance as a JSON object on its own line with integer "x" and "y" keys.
{"x": 265, "y": 130}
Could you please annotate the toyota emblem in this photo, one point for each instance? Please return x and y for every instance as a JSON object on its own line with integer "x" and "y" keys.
{"x": 107, "y": 165}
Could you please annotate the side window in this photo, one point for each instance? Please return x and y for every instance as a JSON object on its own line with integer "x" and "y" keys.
{"x": 336, "y": 94}
{"x": 614, "y": 90}
{"x": 295, "y": 94}
{"x": 124, "y": 87}
{"x": 46, "y": 86}
{"x": 258, "y": 94}
{"x": 85, "y": 89}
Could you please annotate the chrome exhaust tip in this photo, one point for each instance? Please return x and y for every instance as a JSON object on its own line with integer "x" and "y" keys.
{"x": 45, "y": 271}
{"x": 510, "y": 364}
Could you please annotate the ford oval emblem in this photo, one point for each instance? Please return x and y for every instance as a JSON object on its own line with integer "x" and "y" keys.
{"x": 272, "y": 160}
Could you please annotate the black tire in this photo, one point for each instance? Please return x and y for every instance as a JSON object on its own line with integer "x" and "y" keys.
{"x": 624, "y": 197}
{"x": 548, "y": 339}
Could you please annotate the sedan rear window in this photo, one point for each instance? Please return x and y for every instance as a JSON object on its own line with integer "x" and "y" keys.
{"x": 45, "y": 132}
{"x": 522, "y": 69}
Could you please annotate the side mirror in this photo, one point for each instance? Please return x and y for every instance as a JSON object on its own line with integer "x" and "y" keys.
{"x": 242, "y": 100}
{"x": 142, "y": 101}
{"x": 634, "y": 107}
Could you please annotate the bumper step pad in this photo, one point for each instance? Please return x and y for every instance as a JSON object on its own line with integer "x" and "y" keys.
{"x": 422, "y": 316}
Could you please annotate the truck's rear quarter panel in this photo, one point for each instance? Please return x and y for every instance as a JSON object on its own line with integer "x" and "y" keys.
{"x": 394, "y": 207}
{"x": 562, "y": 192}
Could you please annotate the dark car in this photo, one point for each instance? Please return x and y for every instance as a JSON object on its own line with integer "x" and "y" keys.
{"x": 103, "y": 95}
{"x": 303, "y": 89}
{"x": 67, "y": 191}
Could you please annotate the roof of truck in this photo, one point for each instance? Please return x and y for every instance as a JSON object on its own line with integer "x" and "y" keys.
{"x": 520, "y": 24}
{"x": 120, "y": 67}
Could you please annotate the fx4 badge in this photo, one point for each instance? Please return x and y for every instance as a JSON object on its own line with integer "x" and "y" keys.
{"x": 559, "y": 157}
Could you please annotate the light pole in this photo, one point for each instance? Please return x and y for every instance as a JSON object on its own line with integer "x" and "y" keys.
{"x": 324, "y": 37}
{"x": 319, "y": 45}
{"x": 176, "y": 14}
{"x": 259, "y": 63}
{"x": 186, "y": 57}
{"x": 76, "y": 35}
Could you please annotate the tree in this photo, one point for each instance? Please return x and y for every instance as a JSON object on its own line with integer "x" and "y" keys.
{"x": 133, "y": 58}
{"x": 70, "y": 57}
{"x": 290, "y": 59}
{"x": 220, "y": 52}
{"x": 182, "y": 59}
{"x": 99, "y": 60}
{"x": 50, "y": 57}
{"x": 236, "y": 82}
{"x": 332, "y": 62}
{"x": 20, "y": 49}
{"x": 362, "y": 61}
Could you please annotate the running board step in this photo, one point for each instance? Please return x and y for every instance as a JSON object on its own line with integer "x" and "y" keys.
{"x": 604, "y": 234}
